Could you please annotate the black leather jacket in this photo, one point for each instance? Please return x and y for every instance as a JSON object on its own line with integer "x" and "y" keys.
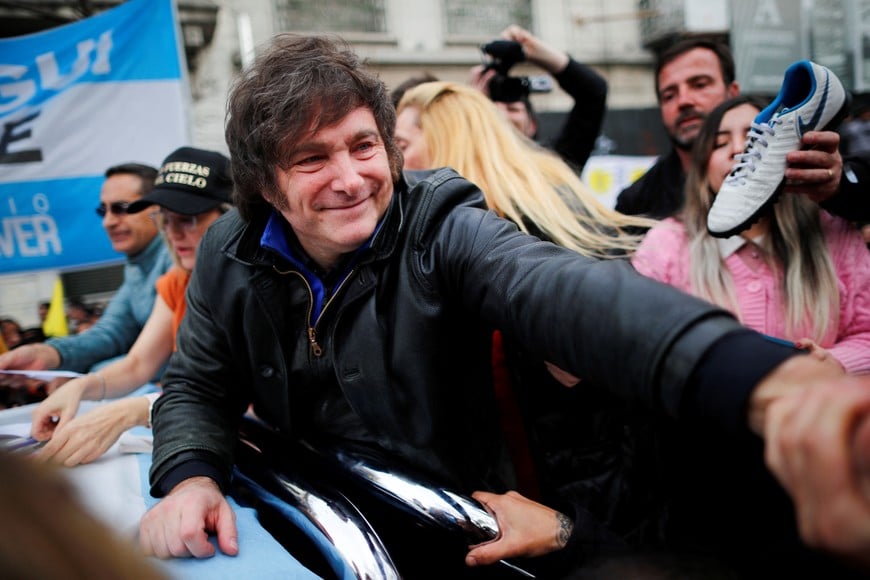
{"x": 658, "y": 193}
{"x": 407, "y": 336}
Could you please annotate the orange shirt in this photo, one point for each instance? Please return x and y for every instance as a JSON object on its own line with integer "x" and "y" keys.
{"x": 171, "y": 287}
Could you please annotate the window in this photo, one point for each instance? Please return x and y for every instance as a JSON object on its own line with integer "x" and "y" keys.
{"x": 332, "y": 15}
{"x": 472, "y": 18}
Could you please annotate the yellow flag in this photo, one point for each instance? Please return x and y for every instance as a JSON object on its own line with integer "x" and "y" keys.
{"x": 55, "y": 321}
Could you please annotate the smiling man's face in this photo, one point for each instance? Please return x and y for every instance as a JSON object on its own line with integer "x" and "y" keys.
{"x": 336, "y": 186}
{"x": 128, "y": 233}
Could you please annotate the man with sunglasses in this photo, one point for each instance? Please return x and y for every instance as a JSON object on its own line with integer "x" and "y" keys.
{"x": 134, "y": 235}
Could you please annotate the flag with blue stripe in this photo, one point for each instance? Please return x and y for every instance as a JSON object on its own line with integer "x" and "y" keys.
{"x": 75, "y": 100}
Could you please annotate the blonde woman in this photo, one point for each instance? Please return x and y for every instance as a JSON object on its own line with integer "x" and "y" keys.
{"x": 444, "y": 124}
{"x": 798, "y": 274}
{"x": 579, "y": 448}
{"x": 192, "y": 190}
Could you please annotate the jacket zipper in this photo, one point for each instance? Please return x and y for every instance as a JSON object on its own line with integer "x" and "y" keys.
{"x": 315, "y": 347}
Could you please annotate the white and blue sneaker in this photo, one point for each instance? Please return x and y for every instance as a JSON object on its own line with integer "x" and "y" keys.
{"x": 812, "y": 98}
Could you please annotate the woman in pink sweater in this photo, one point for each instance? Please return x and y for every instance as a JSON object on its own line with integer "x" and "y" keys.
{"x": 798, "y": 274}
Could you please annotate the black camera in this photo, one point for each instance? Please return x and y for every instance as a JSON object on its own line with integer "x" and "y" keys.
{"x": 501, "y": 56}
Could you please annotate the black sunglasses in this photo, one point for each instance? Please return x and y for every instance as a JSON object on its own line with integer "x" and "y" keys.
{"x": 116, "y": 208}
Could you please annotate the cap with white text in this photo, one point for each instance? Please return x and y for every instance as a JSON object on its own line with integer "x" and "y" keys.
{"x": 190, "y": 181}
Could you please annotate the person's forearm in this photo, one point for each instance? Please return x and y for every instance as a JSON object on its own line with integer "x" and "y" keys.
{"x": 112, "y": 335}
{"x": 82, "y": 351}
{"x": 128, "y": 413}
{"x": 126, "y": 375}
{"x": 554, "y": 62}
{"x": 136, "y": 411}
{"x": 583, "y": 83}
{"x": 576, "y": 139}
{"x": 92, "y": 387}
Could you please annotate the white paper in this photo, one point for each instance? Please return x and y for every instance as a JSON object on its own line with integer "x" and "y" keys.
{"x": 42, "y": 375}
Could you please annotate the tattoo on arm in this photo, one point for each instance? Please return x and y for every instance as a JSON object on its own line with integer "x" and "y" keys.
{"x": 565, "y": 529}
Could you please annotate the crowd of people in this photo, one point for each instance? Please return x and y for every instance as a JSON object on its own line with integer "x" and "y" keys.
{"x": 79, "y": 316}
{"x": 411, "y": 273}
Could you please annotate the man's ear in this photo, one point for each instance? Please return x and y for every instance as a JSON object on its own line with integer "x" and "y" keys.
{"x": 733, "y": 89}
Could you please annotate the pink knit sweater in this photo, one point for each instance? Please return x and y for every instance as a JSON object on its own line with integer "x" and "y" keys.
{"x": 664, "y": 256}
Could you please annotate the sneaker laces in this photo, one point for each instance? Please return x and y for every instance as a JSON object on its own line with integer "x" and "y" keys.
{"x": 756, "y": 141}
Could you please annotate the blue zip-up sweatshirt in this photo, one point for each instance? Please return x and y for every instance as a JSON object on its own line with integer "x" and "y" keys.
{"x": 121, "y": 323}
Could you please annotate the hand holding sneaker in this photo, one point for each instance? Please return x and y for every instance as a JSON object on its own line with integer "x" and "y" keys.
{"x": 812, "y": 98}
{"x": 761, "y": 273}
{"x": 816, "y": 169}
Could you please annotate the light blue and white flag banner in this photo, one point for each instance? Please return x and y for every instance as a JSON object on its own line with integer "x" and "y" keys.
{"x": 75, "y": 100}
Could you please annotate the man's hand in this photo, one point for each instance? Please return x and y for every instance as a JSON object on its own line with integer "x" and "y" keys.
{"x": 819, "y": 352}
{"x": 28, "y": 357}
{"x": 818, "y": 447}
{"x": 178, "y": 526}
{"x": 816, "y": 169}
{"x": 526, "y": 527}
{"x": 537, "y": 52}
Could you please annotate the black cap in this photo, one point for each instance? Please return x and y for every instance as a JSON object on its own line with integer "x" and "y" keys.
{"x": 190, "y": 181}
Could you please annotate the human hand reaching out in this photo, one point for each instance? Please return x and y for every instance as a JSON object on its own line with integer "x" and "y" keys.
{"x": 87, "y": 437}
{"x": 537, "y": 51}
{"x": 819, "y": 353}
{"x": 28, "y": 357}
{"x": 817, "y": 444}
{"x": 526, "y": 528}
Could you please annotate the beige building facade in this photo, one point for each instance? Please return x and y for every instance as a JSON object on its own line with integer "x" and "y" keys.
{"x": 406, "y": 37}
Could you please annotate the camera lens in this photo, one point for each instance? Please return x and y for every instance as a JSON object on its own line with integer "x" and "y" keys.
{"x": 505, "y": 89}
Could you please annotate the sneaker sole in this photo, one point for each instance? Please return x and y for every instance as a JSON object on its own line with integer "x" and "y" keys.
{"x": 771, "y": 201}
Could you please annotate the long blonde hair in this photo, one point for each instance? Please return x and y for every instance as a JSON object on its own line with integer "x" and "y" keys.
{"x": 795, "y": 242}
{"x": 521, "y": 180}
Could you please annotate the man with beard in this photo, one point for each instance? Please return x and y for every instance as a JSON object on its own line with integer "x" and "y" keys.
{"x": 692, "y": 77}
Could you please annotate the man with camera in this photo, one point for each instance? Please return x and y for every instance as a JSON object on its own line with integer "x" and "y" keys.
{"x": 576, "y": 139}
